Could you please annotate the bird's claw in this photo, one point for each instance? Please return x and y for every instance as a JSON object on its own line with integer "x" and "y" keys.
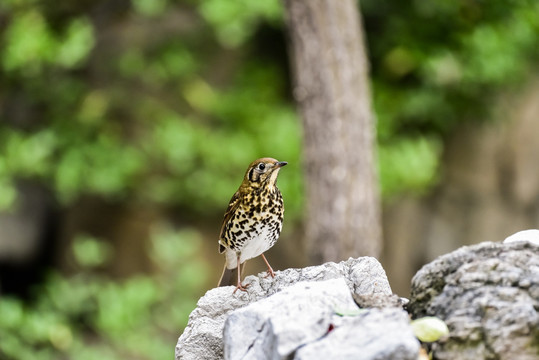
{"x": 269, "y": 272}
{"x": 241, "y": 287}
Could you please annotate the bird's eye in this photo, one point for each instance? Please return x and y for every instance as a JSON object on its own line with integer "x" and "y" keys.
{"x": 261, "y": 166}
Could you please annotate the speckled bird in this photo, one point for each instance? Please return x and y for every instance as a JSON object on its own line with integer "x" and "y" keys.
{"x": 253, "y": 220}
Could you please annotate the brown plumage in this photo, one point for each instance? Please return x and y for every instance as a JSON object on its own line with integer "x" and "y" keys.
{"x": 252, "y": 221}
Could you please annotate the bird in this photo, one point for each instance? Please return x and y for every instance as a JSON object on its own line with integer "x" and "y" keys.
{"x": 253, "y": 220}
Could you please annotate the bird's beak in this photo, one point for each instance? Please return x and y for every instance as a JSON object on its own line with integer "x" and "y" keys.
{"x": 280, "y": 164}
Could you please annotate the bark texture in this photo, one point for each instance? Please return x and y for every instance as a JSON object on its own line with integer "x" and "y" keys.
{"x": 332, "y": 91}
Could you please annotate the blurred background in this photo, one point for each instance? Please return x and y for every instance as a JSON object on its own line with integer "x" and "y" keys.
{"x": 126, "y": 126}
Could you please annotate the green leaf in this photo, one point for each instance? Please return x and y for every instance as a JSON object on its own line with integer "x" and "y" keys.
{"x": 349, "y": 312}
{"x": 429, "y": 328}
{"x": 77, "y": 43}
{"x": 91, "y": 252}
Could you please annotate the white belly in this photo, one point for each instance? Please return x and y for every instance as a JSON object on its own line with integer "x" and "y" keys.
{"x": 260, "y": 241}
{"x": 257, "y": 245}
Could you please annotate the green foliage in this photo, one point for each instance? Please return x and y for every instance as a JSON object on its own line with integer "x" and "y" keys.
{"x": 90, "y": 316}
{"x": 235, "y": 21}
{"x": 149, "y": 8}
{"x": 171, "y": 141}
{"x": 174, "y": 129}
{"x": 90, "y": 252}
{"x": 31, "y": 44}
{"x": 409, "y": 163}
{"x": 436, "y": 64}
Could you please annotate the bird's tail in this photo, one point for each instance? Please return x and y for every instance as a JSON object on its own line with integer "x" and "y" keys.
{"x": 228, "y": 277}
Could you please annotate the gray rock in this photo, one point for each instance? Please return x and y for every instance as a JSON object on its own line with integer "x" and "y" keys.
{"x": 380, "y": 301}
{"x": 273, "y": 328}
{"x": 375, "y": 334}
{"x": 488, "y": 295}
{"x": 364, "y": 276}
{"x": 202, "y": 338}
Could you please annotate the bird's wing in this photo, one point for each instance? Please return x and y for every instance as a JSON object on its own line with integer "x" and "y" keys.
{"x": 232, "y": 206}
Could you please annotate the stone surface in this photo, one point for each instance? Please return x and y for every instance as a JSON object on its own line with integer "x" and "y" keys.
{"x": 380, "y": 301}
{"x": 374, "y": 334}
{"x": 273, "y": 328}
{"x": 202, "y": 338}
{"x": 488, "y": 295}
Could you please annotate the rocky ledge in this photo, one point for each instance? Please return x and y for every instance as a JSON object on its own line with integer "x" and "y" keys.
{"x": 487, "y": 294}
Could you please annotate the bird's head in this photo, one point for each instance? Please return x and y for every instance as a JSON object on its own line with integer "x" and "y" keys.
{"x": 262, "y": 172}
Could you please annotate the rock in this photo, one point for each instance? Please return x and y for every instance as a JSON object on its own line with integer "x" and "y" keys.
{"x": 202, "y": 338}
{"x": 374, "y": 334}
{"x": 488, "y": 295}
{"x": 273, "y": 328}
{"x": 531, "y": 235}
{"x": 380, "y": 301}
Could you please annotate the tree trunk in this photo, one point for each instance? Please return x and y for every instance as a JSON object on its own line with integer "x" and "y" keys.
{"x": 331, "y": 88}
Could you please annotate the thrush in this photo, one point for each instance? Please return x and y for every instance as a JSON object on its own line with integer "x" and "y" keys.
{"x": 253, "y": 220}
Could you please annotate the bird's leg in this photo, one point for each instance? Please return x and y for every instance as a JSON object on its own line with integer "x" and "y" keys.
{"x": 270, "y": 270}
{"x": 240, "y": 286}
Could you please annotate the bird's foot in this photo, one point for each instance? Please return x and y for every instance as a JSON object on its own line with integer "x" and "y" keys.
{"x": 241, "y": 287}
{"x": 270, "y": 272}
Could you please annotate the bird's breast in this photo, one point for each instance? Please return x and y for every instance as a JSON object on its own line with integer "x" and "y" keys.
{"x": 256, "y": 225}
